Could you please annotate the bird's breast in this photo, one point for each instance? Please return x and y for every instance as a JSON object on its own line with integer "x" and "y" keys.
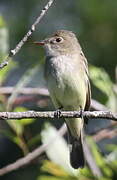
{"x": 63, "y": 79}
{"x": 60, "y": 71}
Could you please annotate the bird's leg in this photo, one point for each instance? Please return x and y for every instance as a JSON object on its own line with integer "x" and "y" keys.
{"x": 81, "y": 112}
{"x": 82, "y": 116}
{"x": 57, "y": 113}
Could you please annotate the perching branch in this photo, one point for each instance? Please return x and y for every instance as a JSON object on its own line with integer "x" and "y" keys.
{"x": 63, "y": 114}
{"x": 28, "y": 34}
{"x": 38, "y": 151}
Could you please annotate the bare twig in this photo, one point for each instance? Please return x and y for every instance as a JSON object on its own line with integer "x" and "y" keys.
{"x": 95, "y": 105}
{"x": 63, "y": 114}
{"x": 111, "y": 125}
{"x": 105, "y": 133}
{"x": 31, "y": 156}
{"x": 28, "y": 34}
{"x": 25, "y": 90}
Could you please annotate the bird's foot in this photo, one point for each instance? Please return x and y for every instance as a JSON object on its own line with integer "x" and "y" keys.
{"x": 57, "y": 113}
{"x": 81, "y": 113}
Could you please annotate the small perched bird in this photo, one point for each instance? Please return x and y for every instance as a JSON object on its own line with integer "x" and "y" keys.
{"x": 66, "y": 73}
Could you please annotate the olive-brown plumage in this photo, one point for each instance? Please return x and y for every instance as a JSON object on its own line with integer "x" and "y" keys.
{"x": 66, "y": 73}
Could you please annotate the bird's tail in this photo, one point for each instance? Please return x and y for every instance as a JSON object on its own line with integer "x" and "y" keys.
{"x": 76, "y": 152}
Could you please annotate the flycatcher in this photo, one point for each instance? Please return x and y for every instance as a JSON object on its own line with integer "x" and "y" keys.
{"x": 66, "y": 73}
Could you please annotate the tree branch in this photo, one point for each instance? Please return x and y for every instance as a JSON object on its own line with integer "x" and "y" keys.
{"x": 34, "y": 154}
{"x": 28, "y": 34}
{"x": 105, "y": 134}
{"x": 63, "y": 114}
{"x": 95, "y": 105}
{"x": 25, "y": 90}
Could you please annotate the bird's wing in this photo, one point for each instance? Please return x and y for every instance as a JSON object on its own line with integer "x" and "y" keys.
{"x": 88, "y": 93}
{"x": 88, "y": 96}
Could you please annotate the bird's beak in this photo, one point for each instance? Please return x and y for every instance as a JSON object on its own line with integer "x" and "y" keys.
{"x": 40, "y": 43}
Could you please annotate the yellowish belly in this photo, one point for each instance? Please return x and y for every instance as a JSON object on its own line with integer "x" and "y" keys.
{"x": 69, "y": 90}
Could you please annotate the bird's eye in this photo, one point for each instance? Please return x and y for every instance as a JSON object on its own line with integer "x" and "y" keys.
{"x": 59, "y": 39}
{"x": 56, "y": 40}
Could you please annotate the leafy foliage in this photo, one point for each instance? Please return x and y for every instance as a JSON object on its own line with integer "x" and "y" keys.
{"x": 102, "y": 81}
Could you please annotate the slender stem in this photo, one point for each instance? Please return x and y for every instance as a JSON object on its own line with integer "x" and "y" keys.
{"x": 27, "y": 35}
{"x": 63, "y": 114}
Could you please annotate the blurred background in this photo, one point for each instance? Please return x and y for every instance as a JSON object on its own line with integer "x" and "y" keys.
{"x": 22, "y": 87}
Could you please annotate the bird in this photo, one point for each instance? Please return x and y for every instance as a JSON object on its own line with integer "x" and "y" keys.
{"x": 67, "y": 77}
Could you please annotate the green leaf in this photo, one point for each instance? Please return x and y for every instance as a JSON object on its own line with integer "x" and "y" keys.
{"x": 100, "y": 161}
{"x": 112, "y": 156}
{"x": 34, "y": 140}
{"x": 44, "y": 177}
{"x": 101, "y": 79}
{"x": 2, "y": 22}
{"x": 112, "y": 102}
{"x": 5, "y": 71}
{"x": 4, "y": 39}
{"x": 16, "y": 126}
{"x": 11, "y": 136}
{"x": 111, "y": 147}
{"x": 57, "y": 151}
{"x": 54, "y": 169}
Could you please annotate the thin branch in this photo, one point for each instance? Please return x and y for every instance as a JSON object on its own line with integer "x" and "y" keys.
{"x": 25, "y": 90}
{"x": 105, "y": 134}
{"x": 34, "y": 154}
{"x": 111, "y": 125}
{"x": 28, "y": 34}
{"x": 63, "y": 114}
{"x": 95, "y": 105}
{"x": 31, "y": 156}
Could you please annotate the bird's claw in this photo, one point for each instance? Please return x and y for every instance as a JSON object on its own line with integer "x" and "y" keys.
{"x": 57, "y": 113}
{"x": 81, "y": 113}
